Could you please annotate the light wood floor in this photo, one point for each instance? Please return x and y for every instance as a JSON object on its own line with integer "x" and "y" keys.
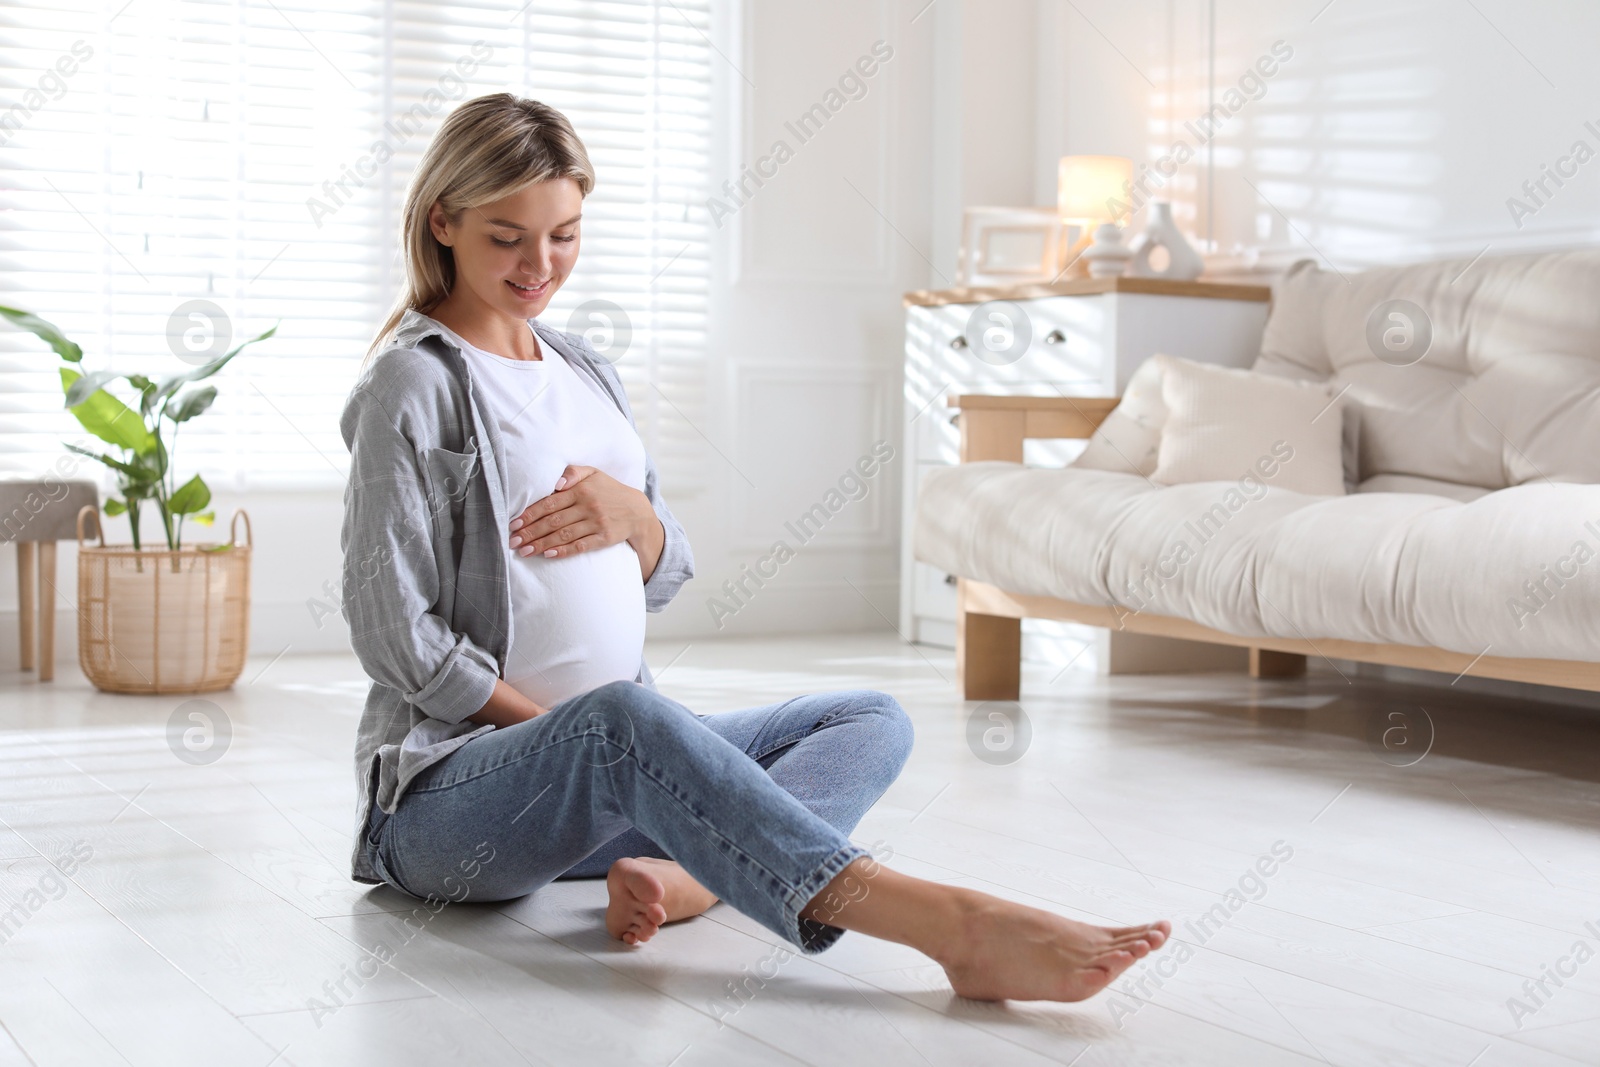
{"x": 214, "y": 904}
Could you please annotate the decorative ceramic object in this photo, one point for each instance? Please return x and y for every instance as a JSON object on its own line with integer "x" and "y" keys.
{"x": 1183, "y": 262}
{"x": 1107, "y": 257}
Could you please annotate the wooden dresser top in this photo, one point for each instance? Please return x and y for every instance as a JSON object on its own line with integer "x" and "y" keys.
{"x": 1088, "y": 287}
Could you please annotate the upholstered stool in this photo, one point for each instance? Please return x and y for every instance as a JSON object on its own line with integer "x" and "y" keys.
{"x": 40, "y": 511}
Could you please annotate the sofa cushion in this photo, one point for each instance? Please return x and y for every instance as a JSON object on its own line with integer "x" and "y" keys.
{"x": 1406, "y": 483}
{"x": 1129, "y": 440}
{"x": 1507, "y": 389}
{"x": 1223, "y": 422}
{"x": 1513, "y": 573}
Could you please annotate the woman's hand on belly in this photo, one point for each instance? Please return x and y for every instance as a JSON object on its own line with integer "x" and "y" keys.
{"x": 589, "y": 509}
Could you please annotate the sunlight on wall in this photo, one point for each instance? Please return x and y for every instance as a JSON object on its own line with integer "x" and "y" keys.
{"x": 1355, "y": 132}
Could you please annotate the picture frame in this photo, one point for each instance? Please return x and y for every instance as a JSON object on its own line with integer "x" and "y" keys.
{"x": 1008, "y": 245}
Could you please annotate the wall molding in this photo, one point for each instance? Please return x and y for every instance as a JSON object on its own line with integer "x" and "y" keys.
{"x": 754, "y": 533}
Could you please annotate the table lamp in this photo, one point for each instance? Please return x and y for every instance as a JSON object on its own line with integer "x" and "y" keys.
{"x": 1088, "y": 191}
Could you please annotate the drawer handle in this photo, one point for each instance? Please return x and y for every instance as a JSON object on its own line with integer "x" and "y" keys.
{"x": 949, "y": 579}
{"x": 959, "y": 341}
{"x": 1055, "y": 337}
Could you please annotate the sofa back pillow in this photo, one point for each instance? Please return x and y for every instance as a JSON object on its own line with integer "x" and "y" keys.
{"x": 1225, "y": 424}
{"x": 1292, "y": 344}
{"x": 1475, "y": 371}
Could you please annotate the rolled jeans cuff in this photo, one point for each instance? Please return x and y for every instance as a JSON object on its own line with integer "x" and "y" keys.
{"x": 809, "y": 935}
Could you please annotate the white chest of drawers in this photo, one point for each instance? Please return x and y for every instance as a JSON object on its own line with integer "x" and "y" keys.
{"x": 1079, "y": 338}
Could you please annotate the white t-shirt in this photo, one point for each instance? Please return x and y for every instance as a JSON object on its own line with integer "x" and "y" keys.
{"x": 578, "y": 621}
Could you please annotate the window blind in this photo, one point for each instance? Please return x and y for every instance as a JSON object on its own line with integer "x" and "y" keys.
{"x": 255, "y": 155}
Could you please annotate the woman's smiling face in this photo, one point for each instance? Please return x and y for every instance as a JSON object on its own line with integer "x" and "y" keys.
{"x": 515, "y": 252}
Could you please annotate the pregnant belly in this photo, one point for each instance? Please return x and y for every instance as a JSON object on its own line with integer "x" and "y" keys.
{"x": 578, "y": 622}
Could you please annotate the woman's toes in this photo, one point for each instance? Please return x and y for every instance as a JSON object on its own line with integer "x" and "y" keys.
{"x": 1152, "y": 936}
{"x": 642, "y": 928}
{"x": 1121, "y": 932}
{"x": 1114, "y": 963}
{"x": 635, "y": 911}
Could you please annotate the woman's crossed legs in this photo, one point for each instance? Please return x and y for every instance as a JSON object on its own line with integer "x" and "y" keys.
{"x": 755, "y": 808}
{"x": 835, "y": 752}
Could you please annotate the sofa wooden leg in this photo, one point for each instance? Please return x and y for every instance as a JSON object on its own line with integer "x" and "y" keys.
{"x": 1265, "y": 663}
{"x": 47, "y": 611}
{"x": 988, "y": 656}
{"x": 26, "y": 612}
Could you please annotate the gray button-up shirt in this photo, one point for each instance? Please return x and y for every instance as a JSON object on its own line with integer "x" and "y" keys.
{"x": 425, "y": 538}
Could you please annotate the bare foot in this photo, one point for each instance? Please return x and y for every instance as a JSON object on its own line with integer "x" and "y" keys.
{"x": 1008, "y": 951}
{"x": 647, "y": 892}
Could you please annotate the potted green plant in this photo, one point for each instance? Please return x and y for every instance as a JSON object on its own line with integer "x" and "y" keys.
{"x": 152, "y": 620}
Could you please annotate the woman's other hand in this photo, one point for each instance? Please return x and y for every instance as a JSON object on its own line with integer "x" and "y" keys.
{"x": 506, "y": 707}
{"x": 589, "y": 509}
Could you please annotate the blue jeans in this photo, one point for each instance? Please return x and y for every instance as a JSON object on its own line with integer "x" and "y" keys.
{"x": 756, "y": 805}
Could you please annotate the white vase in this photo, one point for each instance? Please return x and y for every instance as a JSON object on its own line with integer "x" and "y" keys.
{"x": 1183, "y": 262}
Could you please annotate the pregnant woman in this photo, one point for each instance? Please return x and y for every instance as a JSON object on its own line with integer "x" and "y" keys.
{"x": 504, "y": 535}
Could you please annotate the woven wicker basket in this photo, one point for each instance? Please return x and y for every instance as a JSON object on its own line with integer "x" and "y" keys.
{"x": 157, "y": 621}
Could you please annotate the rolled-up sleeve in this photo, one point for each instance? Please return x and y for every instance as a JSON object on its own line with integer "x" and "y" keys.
{"x": 676, "y": 564}
{"x": 391, "y": 577}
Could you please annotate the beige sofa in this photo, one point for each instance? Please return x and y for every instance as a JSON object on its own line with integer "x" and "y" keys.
{"x": 1471, "y": 547}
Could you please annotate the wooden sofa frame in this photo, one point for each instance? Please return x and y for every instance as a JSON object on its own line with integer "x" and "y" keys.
{"x": 989, "y": 619}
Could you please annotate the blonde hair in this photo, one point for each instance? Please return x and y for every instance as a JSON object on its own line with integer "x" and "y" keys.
{"x": 488, "y": 148}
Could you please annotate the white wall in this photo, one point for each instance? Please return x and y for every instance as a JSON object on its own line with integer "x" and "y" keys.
{"x": 808, "y": 334}
{"x": 1396, "y": 131}
{"x": 803, "y": 360}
